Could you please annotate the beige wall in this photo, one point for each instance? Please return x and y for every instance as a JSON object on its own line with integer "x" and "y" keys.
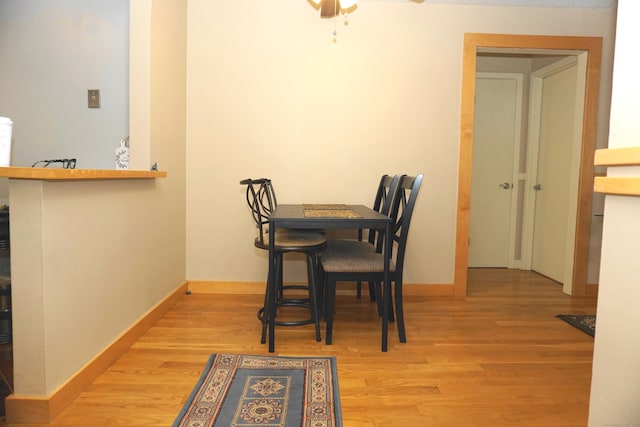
{"x": 269, "y": 94}
{"x": 615, "y": 385}
{"x": 90, "y": 259}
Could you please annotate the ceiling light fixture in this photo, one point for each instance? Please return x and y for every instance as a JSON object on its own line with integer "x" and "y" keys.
{"x": 334, "y": 8}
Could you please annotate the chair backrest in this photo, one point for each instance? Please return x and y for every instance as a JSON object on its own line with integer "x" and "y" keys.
{"x": 261, "y": 198}
{"x": 404, "y": 201}
{"x": 382, "y": 202}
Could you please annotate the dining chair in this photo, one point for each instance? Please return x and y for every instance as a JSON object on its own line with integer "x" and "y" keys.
{"x": 348, "y": 265}
{"x": 382, "y": 204}
{"x": 261, "y": 198}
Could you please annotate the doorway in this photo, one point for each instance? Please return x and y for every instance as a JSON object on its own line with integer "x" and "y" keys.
{"x": 523, "y": 206}
{"x": 474, "y": 43}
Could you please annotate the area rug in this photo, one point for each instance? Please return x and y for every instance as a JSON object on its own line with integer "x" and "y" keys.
{"x": 245, "y": 391}
{"x": 585, "y": 322}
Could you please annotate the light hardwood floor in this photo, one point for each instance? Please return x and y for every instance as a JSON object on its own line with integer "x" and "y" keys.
{"x": 496, "y": 358}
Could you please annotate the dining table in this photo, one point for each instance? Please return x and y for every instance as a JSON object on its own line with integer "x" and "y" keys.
{"x": 324, "y": 216}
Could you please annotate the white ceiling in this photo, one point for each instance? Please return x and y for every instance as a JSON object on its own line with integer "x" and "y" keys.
{"x": 532, "y": 3}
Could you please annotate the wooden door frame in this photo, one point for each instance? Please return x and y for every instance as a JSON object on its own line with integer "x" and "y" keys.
{"x": 474, "y": 41}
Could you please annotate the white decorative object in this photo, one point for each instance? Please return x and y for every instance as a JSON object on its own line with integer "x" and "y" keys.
{"x": 5, "y": 141}
{"x": 122, "y": 154}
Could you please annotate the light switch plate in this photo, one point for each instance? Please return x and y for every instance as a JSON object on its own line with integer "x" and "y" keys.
{"x": 94, "y": 98}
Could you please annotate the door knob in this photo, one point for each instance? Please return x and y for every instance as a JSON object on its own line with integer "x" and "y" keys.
{"x": 537, "y": 187}
{"x": 506, "y": 185}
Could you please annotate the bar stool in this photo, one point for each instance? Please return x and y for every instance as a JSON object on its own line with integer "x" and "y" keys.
{"x": 262, "y": 201}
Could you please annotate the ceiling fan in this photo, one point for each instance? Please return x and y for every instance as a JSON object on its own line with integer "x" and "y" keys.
{"x": 332, "y": 8}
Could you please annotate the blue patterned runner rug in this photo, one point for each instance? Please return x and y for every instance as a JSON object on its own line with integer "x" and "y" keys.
{"x": 585, "y": 322}
{"x": 247, "y": 391}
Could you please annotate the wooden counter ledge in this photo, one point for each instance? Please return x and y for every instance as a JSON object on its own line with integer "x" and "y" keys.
{"x": 618, "y": 185}
{"x": 57, "y": 174}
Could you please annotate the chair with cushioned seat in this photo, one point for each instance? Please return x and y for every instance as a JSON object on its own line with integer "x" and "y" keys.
{"x": 340, "y": 264}
{"x": 382, "y": 204}
{"x": 261, "y": 199}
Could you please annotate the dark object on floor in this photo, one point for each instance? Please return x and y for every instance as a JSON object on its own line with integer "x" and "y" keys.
{"x": 6, "y": 348}
{"x": 4, "y": 228}
{"x": 585, "y": 322}
{"x": 248, "y": 390}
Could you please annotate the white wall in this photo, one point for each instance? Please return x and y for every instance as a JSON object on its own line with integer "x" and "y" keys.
{"x": 269, "y": 94}
{"x": 615, "y": 387}
{"x": 52, "y": 53}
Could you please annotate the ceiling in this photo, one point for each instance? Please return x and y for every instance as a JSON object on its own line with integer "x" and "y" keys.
{"x": 582, "y": 4}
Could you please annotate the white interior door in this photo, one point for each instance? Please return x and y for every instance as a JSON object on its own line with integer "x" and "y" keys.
{"x": 495, "y": 147}
{"x": 560, "y": 90}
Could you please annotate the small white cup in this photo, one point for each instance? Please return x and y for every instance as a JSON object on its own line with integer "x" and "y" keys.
{"x": 5, "y": 141}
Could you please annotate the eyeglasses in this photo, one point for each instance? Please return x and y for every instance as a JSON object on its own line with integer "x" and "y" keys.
{"x": 66, "y": 163}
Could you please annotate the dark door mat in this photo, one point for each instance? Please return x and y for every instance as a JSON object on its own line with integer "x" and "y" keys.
{"x": 585, "y": 322}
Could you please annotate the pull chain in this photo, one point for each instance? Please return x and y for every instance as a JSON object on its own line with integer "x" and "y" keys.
{"x": 337, "y": 12}
{"x": 335, "y": 21}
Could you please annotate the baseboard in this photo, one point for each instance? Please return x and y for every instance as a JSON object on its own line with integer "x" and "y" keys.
{"x": 238, "y": 288}
{"x": 257, "y": 288}
{"x": 41, "y": 410}
{"x": 591, "y": 290}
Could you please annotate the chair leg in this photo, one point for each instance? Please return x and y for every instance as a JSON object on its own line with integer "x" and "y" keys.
{"x": 329, "y": 302}
{"x": 280, "y": 282}
{"x": 377, "y": 291}
{"x": 319, "y": 289}
{"x": 372, "y": 291}
{"x": 372, "y": 294}
{"x": 262, "y": 315}
{"x": 386, "y": 303}
{"x": 400, "y": 313}
{"x": 390, "y": 306}
{"x": 313, "y": 293}
{"x": 274, "y": 298}
{"x": 379, "y": 295}
{"x": 267, "y": 310}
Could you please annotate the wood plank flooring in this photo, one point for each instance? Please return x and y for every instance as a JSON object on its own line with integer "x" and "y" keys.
{"x": 498, "y": 358}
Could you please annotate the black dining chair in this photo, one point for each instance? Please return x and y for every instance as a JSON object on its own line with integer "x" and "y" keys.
{"x": 382, "y": 204}
{"x": 348, "y": 265}
{"x": 261, "y": 198}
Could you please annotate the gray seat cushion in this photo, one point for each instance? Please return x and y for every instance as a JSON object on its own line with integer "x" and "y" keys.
{"x": 299, "y": 238}
{"x": 349, "y": 245}
{"x": 353, "y": 261}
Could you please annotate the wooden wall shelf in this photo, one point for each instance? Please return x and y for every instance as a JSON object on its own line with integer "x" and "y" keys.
{"x": 624, "y": 186}
{"x": 51, "y": 174}
{"x": 619, "y": 186}
{"x": 617, "y": 157}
